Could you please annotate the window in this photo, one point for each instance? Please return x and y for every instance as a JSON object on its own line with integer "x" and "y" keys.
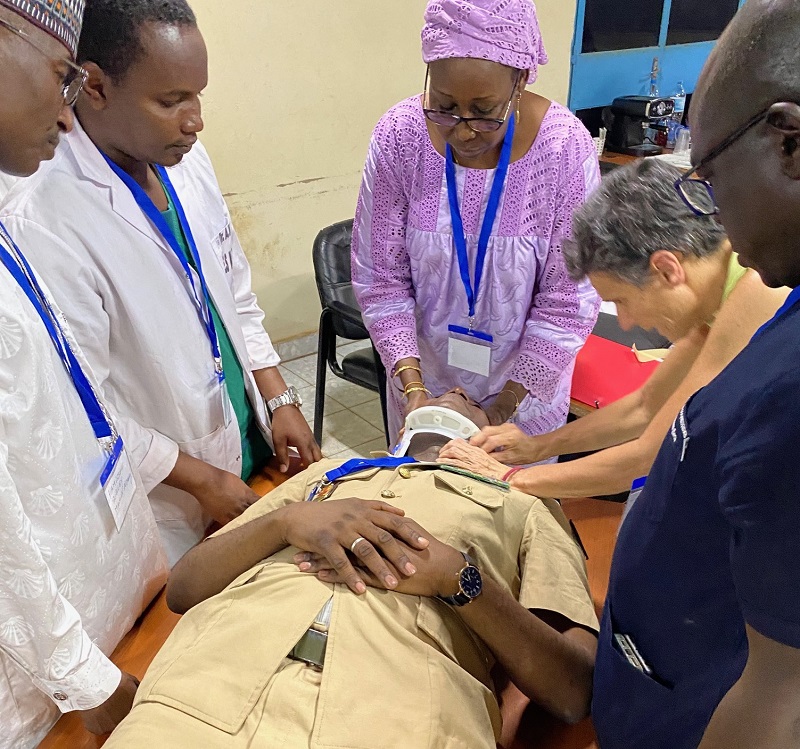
{"x": 616, "y": 42}
{"x": 610, "y": 25}
{"x": 690, "y": 21}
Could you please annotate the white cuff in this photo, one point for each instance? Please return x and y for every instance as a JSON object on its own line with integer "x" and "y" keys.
{"x": 159, "y": 461}
{"x": 86, "y": 687}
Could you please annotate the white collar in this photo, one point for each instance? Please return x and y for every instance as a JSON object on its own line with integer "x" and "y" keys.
{"x": 435, "y": 420}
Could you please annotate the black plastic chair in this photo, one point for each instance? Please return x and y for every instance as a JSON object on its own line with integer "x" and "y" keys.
{"x": 341, "y": 317}
{"x": 608, "y": 327}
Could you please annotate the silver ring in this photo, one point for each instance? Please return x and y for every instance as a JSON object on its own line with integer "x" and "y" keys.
{"x": 356, "y": 543}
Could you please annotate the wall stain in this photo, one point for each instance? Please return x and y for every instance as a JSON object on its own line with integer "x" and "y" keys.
{"x": 303, "y": 181}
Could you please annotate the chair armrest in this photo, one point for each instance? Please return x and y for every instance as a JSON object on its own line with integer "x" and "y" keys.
{"x": 351, "y": 314}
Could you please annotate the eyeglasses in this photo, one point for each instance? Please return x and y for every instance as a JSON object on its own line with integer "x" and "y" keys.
{"x": 476, "y": 124}
{"x": 698, "y": 193}
{"x": 73, "y": 81}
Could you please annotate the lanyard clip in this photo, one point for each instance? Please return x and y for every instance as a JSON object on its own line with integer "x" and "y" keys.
{"x": 107, "y": 443}
{"x": 472, "y": 323}
{"x": 322, "y": 490}
{"x": 218, "y": 368}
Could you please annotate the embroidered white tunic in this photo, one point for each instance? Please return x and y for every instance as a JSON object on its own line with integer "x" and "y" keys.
{"x": 71, "y": 585}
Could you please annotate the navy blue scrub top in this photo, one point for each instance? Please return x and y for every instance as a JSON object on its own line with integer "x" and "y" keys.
{"x": 712, "y": 542}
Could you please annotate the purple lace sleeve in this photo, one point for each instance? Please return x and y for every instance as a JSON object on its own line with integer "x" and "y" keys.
{"x": 381, "y": 269}
{"x": 564, "y": 312}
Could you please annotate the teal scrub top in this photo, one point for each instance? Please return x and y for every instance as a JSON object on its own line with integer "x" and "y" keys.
{"x": 255, "y": 450}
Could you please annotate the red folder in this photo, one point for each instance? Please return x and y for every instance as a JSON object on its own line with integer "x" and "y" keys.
{"x": 606, "y": 371}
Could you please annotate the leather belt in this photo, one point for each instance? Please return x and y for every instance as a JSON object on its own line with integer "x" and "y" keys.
{"x": 311, "y": 646}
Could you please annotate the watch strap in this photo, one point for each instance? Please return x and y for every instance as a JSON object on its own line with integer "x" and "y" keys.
{"x": 290, "y": 397}
{"x": 460, "y": 598}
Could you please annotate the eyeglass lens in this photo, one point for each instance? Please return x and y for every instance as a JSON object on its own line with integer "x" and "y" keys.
{"x": 450, "y": 120}
{"x": 699, "y": 196}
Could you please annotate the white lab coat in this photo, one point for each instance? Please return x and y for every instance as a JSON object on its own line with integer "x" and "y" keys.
{"x": 128, "y": 301}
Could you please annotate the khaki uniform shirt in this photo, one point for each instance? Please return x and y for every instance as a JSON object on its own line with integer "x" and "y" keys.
{"x": 400, "y": 670}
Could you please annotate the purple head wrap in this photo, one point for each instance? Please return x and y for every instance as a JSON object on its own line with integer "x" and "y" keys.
{"x": 504, "y": 31}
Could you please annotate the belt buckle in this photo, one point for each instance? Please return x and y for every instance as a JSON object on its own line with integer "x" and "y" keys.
{"x": 310, "y": 649}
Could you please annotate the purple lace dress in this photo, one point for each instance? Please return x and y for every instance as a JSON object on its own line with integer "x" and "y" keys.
{"x": 406, "y": 274}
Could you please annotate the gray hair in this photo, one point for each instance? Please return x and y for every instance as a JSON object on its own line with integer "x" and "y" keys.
{"x": 633, "y": 214}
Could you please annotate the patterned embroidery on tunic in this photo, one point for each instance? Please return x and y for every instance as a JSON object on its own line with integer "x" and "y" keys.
{"x": 405, "y": 190}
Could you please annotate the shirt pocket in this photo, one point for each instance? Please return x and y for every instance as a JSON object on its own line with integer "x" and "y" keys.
{"x": 449, "y": 635}
{"x": 212, "y": 634}
{"x": 471, "y": 512}
{"x": 459, "y": 666}
{"x": 630, "y": 710}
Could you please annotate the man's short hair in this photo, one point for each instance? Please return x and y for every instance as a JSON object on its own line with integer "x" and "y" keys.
{"x": 112, "y": 30}
{"x": 634, "y": 213}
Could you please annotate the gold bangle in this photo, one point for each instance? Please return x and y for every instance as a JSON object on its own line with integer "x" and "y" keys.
{"x": 417, "y": 390}
{"x": 406, "y": 368}
{"x": 516, "y": 400}
{"x": 402, "y": 389}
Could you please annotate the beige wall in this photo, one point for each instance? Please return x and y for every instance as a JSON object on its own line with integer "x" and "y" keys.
{"x": 296, "y": 87}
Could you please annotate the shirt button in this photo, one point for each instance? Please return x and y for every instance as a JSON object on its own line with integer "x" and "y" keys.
{"x": 467, "y": 490}
{"x": 388, "y": 494}
{"x": 60, "y": 696}
{"x": 405, "y": 473}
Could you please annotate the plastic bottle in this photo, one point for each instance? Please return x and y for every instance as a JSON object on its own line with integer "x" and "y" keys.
{"x": 679, "y": 97}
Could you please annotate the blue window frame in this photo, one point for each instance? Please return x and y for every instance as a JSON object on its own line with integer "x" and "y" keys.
{"x": 616, "y": 41}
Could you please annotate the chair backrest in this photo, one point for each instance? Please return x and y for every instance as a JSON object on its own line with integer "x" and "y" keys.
{"x": 608, "y": 327}
{"x": 332, "y": 272}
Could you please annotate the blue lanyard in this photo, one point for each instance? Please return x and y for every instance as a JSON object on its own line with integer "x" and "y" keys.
{"x": 324, "y": 488}
{"x": 790, "y": 302}
{"x": 23, "y": 274}
{"x": 203, "y": 301}
{"x": 459, "y": 237}
{"x": 362, "y": 464}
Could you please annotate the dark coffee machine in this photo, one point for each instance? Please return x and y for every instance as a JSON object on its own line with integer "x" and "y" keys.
{"x": 629, "y": 120}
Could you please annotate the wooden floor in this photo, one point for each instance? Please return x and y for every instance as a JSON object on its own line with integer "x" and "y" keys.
{"x": 597, "y": 523}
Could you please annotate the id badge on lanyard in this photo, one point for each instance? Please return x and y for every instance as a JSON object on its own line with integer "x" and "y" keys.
{"x": 118, "y": 482}
{"x": 470, "y": 349}
{"x": 227, "y": 405}
{"x": 117, "y": 479}
{"x": 202, "y": 299}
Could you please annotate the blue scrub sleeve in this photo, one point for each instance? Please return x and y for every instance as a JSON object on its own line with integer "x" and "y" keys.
{"x": 759, "y": 470}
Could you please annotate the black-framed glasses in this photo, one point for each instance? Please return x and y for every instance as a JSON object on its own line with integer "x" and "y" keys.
{"x": 698, "y": 193}
{"x": 73, "y": 80}
{"x": 476, "y": 124}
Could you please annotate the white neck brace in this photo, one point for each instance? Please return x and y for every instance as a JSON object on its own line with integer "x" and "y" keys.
{"x": 435, "y": 420}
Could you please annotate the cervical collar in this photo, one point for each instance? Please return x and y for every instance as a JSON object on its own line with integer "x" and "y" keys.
{"x": 435, "y": 420}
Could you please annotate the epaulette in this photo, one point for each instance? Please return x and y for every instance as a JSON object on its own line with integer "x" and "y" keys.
{"x": 502, "y": 485}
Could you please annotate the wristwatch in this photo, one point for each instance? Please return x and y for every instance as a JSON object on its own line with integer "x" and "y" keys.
{"x": 288, "y": 398}
{"x": 470, "y": 584}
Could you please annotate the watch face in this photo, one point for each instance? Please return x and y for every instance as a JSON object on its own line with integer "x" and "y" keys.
{"x": 471, "y": 582}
